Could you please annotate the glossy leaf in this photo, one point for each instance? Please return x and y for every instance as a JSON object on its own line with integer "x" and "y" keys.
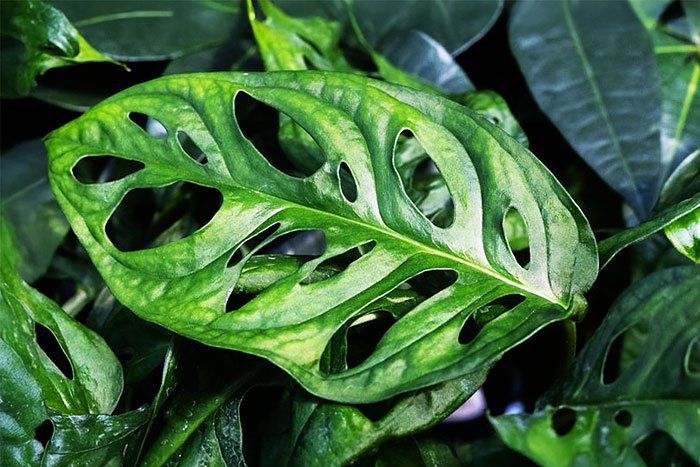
{"x": 201, "y": 428}
{"x": 153, "y": 30}
{"x": 323, "y": 433}
{"x": 420, "y": 55}
{"x": 35, "y": 38}
{"x": 611, "y": 246}
{"x": 684, "y": 234}
{"x": 454, "y": 24}
{"x": 34, "y": 389}
{"x": 188, "y": 293}
{"x": 98, "y": 440}
{"x": 657, "y": 392}
{"x": 679, "y": 72}
{"x": 603, "y": 95}
{"x": 30, "y": 207}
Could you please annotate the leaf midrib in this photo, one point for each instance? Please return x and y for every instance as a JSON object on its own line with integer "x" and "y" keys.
{"x": 388, "y": 232}
{"x": 597, "y": 94}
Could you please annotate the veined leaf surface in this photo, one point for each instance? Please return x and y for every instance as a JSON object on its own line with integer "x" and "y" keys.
{"x": 603, "y": 95}
{"x": 660, "y": 390}
{"x": 184, "y": 285}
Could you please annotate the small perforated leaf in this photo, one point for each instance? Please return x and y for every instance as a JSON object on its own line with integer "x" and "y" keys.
{"x": 656, "y": 391}
{"x": 184, "y": 285}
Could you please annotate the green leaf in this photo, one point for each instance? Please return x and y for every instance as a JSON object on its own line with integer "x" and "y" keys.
{"x": 611, "y": 246}
{"x": 417, "y": 54}
{"x": 35, "y": 38}
{"x": 649, "y": 11}
{"x": 184, "y": 285}
{"x": 33, "y": 215}
{"x": 202, "y": 428}
{"x": 657, "y": 392}
{"x": 679, "y": 72}
{"x": 588, "y": 80}
{"x": 453, "y": 23}
{"x": 151, "y": 30}
{"x": 34, "y": 389}
{"x": 98, "y": 440}
{"x": 323, "y": 433}
{"x": 288, "y": 43}
{"x": 417, "y": 452}
{"x": 684, "y": 234}
{"x": 493, "y": 107}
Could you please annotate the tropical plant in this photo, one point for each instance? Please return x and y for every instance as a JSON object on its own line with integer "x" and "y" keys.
{"x": 315, "y": 233}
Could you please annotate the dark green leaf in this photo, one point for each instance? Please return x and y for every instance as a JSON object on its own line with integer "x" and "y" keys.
{"x": 611, "y": 246}
{"x": 184, "y": 285}
{"x": 325, "y": 434}
{"x": 586, "y": 420}
{"x": 95, "y": 440}
{"x": 34, "y": 217}
{"x": 420, "y": 55}
{"x": 603, "y": 95}
{"x": 679, "y": 72}
{"x": 35, "y": 38}
{"x": 153, "y": 30}
{"x": 453, "y": 23}
{"x": 33, "y": 388}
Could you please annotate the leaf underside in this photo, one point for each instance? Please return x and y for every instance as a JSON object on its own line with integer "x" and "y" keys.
{"x": 184, "y": 285}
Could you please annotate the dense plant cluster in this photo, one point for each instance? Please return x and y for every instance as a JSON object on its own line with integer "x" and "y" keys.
{"x": 307, "y": 232}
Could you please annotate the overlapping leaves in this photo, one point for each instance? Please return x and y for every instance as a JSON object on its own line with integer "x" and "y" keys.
{"x": 33, "y": 389}
{"x": 658, "y": 391}
{"x": 35, "y": 38}
{"x": 184, "y": 285}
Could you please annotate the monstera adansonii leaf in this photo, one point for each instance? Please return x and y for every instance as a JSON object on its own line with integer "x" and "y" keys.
{"x": 184, "y": 285}
{"x": 588, "y": 420}
{"x": 77, "y": 396}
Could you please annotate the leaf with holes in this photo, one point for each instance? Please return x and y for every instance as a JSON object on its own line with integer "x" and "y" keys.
{"x": 53, "y": 368}
{"x": 588, "y": 419}
{"x": 184, "y": 285}
{"x": 603, "y": 95}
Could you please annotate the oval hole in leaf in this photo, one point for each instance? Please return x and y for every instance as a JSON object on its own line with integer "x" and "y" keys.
{"x": 103, "y": 169}
{"x": 348, "y": 185}
{"x": 623, "y": 418}
{"x": 49, "y": 344}
{"x": 191, "y": 148}
{"x": 333, "y": 266}
{"x": 611, "y": 368}
{"x": 44, "y": 432}
{"x": 563, "y": 420}
{"x": 259, "y": 123}
{"x": 364, "y": 334}
{"x": 692, "y": 358}
{"x": 148, "y": 217}
{"x": 422, "y": 180}
{"x": 430, "y": 282}
{"x": 377, "y": 410}
{"x": 517, "y": 238}
{"x": 358, "y": 338}
{"x": 152, "y": 128}
{"x": 307, "y": 243}
{"x": 252, "y": 243}
{"x": 496, "y": 308}
{"x": 469, "y": 330}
